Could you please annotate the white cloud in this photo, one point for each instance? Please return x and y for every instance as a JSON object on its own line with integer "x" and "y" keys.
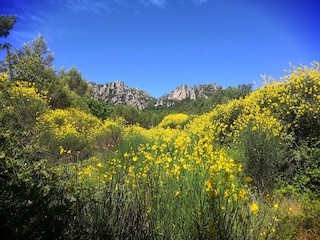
{"x": 200, "y": 2}
{"x": 164, "y": 3}
{"x": 157, "y": 3}
{"x": 104, "y": 5}
{"x": 83, "y": 5}
{"x": 36, "y": 18}
{"x": 21, "y": 36}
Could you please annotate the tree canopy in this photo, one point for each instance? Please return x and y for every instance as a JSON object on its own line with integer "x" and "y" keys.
{"x": 6, "y": 24}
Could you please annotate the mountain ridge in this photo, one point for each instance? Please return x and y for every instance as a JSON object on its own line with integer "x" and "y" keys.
{"x": 117, "y": 92}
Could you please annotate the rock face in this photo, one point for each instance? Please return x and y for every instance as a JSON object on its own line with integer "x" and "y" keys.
{"x": 118, "y": 93}
{"x": 186, "y": 92}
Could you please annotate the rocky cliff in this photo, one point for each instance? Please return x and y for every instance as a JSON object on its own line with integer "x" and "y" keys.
{"x": 118, "y": 93}
{"x": 186, "y": 92}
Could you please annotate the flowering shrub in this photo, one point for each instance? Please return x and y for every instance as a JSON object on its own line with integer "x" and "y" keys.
{"x": 174, "y": 121}
{"x": 176, "y": 176}
{"x": 208, "y": 178}
{"x": 108, "y": 135}
{"x": 20, "y": 104}
{"x": 292, "y": 104}
{"x": 70, "y": 128}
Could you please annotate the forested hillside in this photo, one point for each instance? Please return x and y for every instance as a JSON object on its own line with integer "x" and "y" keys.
{"x": 241, "y": 164}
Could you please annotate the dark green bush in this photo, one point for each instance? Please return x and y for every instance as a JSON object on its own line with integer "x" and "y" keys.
{"x": 32, "y": 205}
{"x": 264, "y": 157}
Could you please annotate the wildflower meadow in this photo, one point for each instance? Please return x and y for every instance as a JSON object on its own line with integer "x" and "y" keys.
{"x": 246, "y": 169}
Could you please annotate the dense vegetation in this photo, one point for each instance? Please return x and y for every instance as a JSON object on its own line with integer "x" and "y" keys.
{"x": 71, "y": 168}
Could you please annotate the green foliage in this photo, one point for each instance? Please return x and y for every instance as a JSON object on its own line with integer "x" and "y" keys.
{"x": 150, "y": 119}
{"x": 32, "y": 205}
{"x": 133, "y": 116}
{"x": 20, "y": 104}
{"x": 62, "y": 97}
{"x": 202, "y": 105}
{"x": 109, "y": 136}
{"x": 129, "y": 113}
{"x": 98, "y": 108}
{"x": 169, "y": 182}
{"x": 75, "y": 81}
{"x": 33, "y": 63}
{"x": 299, "y": 217}
{"x": 6, "y": 24}
{"x": 308, "y": 223}
{"x": 304, "y": 170}
{"x": 264, "y": 157}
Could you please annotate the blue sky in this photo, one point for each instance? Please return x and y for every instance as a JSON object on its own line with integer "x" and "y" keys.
{"x": 157, "y": 45}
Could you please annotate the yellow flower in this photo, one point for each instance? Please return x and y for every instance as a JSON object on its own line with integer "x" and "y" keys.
{"x": 226, "y": 193}
{"x": 242, "y": 194}
{"x": 208, "y": 186}
{"x": 254, "y": 208}
{"x": 263, "y": 233}
{"x": 61, "y": 150}
{"x": 248, "y": 179}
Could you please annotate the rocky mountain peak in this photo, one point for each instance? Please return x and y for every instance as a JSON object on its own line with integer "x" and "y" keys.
{"x": 182, "y": 92}
{"x": 118, "y": 93}
{"x": 186, "y": 92}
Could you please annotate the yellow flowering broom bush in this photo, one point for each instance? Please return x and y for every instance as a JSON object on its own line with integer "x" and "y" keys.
{"x": 20, "y": 104}
{"x": 292, "y": 104}
{"x": 183, "y": 186}
{"x": 108, "y": 135}
{"x": 67, "y": 133}
{"x": 174, "y": 121}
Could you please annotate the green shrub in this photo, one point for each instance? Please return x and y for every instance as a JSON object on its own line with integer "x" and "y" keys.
{"x": 264, "y": 156}
{"x": 304, "y": 174}
{"x": 32, "y": 204}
